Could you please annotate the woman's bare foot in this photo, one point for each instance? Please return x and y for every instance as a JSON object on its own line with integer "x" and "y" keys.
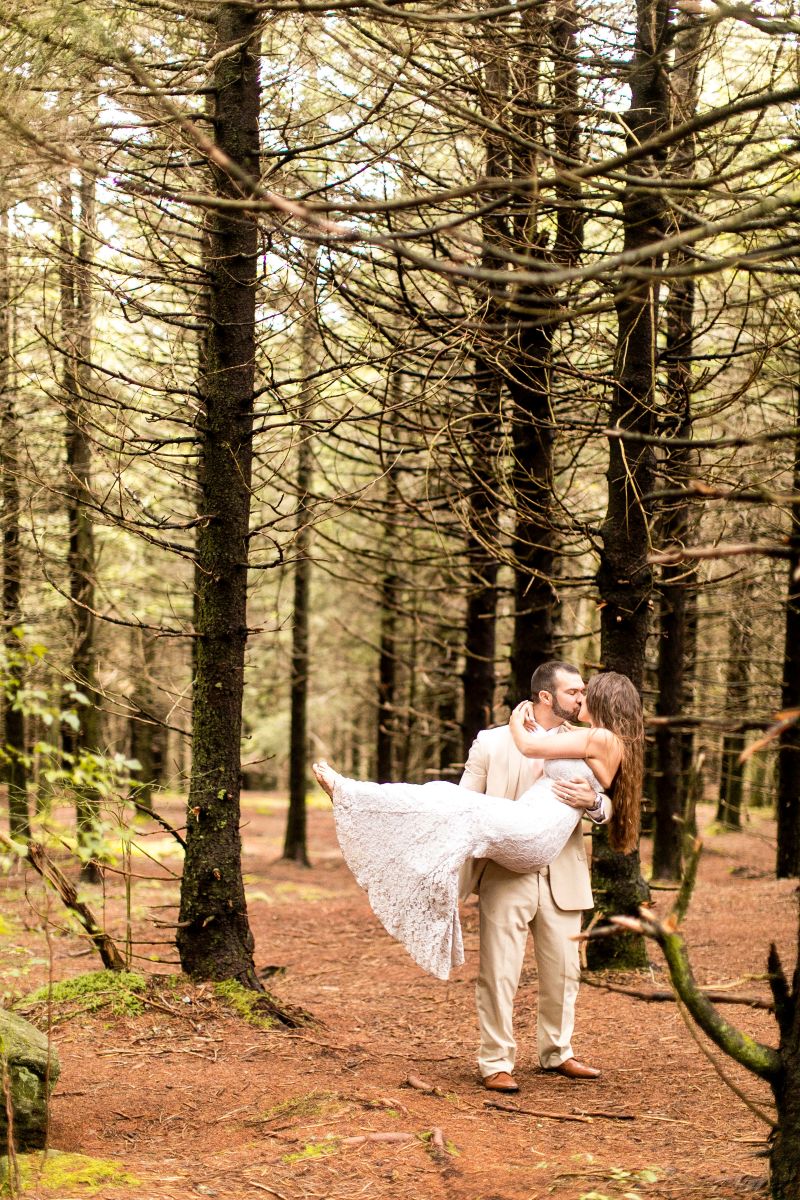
{"x": 325, "y": 776}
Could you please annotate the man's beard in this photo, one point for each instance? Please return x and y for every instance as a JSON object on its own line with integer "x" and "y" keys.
{"x": 563, "y": 713}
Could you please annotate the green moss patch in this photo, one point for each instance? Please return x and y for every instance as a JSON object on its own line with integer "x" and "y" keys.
{"x": 426, "y": 1138}
{"x": 257, "y": 1008}
{"x": 310, "y": 1104}
{"x": 312, "y": 1150}
{"x": 64, "y": 1173}
{"x": 119, "y": 991}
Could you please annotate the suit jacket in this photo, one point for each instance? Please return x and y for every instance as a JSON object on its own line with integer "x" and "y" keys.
{"x": 497, "y": 768}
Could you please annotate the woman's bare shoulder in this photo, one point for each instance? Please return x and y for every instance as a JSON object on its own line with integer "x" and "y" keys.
{"x": 600, "y": 737}
{"x": 600, "y": 731}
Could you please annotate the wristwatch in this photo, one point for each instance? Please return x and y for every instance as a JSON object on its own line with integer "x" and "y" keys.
{"x": 597, "y": 808}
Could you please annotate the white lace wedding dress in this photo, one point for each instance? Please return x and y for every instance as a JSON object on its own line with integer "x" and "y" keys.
{"x": 405, "y": 843}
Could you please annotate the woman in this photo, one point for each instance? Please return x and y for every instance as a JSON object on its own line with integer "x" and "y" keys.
{"x": 405, "y": 843}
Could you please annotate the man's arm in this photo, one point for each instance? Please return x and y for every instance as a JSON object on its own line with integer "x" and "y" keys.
{"x": 579, "y": 793}
{"x": 475, "y": 768}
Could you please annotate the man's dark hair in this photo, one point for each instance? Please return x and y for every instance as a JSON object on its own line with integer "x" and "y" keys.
{"x": 543, "y": 678}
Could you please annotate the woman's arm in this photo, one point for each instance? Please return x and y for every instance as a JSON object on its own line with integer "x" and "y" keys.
{"x": 572, "y": 744}
{"x": 601, "y": 749}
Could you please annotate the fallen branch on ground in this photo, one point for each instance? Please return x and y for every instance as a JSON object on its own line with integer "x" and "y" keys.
{"x": 359, "y": 1139}
{"x": 599, "y": 1114}
{"x": 419, "y": 1085}
{"x": 35, "y": 854}
{"x": 440, "y": 1149}
{"x": 535, "y": 1112}
{"x": 378, "y": 1102}
{"x": 713, "y": 994}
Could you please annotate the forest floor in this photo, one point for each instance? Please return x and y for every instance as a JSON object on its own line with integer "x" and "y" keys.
{"x": 193, "y": 1100}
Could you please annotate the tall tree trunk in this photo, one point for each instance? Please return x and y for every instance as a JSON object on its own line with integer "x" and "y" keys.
{"x": 407, "y": 735}
{"x": 676, "y": 581}
{"x": 294, "y": 846}
{"x": 387, "y": 727}
{"x": 737, "y": 687}
{"x": 16, "y": 774}
{"x": 784, "y": 1159}
{"x": 481, "y": 616}
{"x": 691, "y": 762}
{"x": 147, "y": 735}
{"x": 528, "y": 366}
{"x": 77, "y": 253}
{"x": 449, "y": 730}
{"x": 214, "y": 938}
{"x": 624, "y": 577}
{"x": 528, "y": 358}
{"x": 484, "y": 432}
{"x": 387, "y": 653}
{"x": 568, "y": 245}
{"x": 788, "y": 857}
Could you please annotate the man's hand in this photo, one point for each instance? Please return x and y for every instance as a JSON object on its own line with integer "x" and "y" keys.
{"x": 577, "y": 793}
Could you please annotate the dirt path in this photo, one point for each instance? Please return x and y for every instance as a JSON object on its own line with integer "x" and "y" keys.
{"x": 195, "y": 1101}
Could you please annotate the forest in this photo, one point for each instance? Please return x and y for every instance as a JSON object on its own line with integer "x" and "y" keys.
{"x": 357, "y": 357}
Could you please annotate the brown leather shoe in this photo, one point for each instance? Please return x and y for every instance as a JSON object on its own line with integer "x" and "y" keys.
{"x": 573, "y": 1069}
{"x": 501, "y": 1081}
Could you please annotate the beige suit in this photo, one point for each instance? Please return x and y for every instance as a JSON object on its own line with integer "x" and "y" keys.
{"x": 549, "y": 903}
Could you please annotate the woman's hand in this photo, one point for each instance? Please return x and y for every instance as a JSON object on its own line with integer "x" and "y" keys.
{"x": 522, "y": 715}
{"x": 519, "y": 721}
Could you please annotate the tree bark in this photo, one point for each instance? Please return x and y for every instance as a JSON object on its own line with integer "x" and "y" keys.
{"x": 15, "y": 772}
{"x": 480, "y": 634}
{"x": 77, "y": 253}
{"x": 147, "y": 734}
{"x": 528, "y": 361}
{"x": 788, "y": 855}
{"x": 295, "y": 844}
{"x": 737, "y": 687}
{"x": 528, "y": 357}
{"x": 676, "y": 581}
{"x": 214, "y": 938}
{"x": 387, "y": 730}
{"x": 480, "y": 627}
{"x": 568, "y": 245}
{"x": 624, "y": 576}
{"x": 449, "y": 728}
{"x": 784, "y": 1160}
{"x": 387, "y": 653}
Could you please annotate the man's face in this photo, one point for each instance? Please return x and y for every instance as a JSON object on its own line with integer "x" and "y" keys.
{"x": 567, "y": 696}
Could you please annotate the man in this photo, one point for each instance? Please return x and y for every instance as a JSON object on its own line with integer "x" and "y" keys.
{"x": 549, "y": 902}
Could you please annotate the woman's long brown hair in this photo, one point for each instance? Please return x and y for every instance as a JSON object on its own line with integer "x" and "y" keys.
{"x": 615, "y": 704}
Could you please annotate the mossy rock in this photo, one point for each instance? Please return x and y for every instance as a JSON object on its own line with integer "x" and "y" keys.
{"x": 62, "y": 1174}
{"x": 33, "y": 1069}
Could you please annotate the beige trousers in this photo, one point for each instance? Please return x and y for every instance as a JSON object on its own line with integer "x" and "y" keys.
{"x": 511, "y": 905}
